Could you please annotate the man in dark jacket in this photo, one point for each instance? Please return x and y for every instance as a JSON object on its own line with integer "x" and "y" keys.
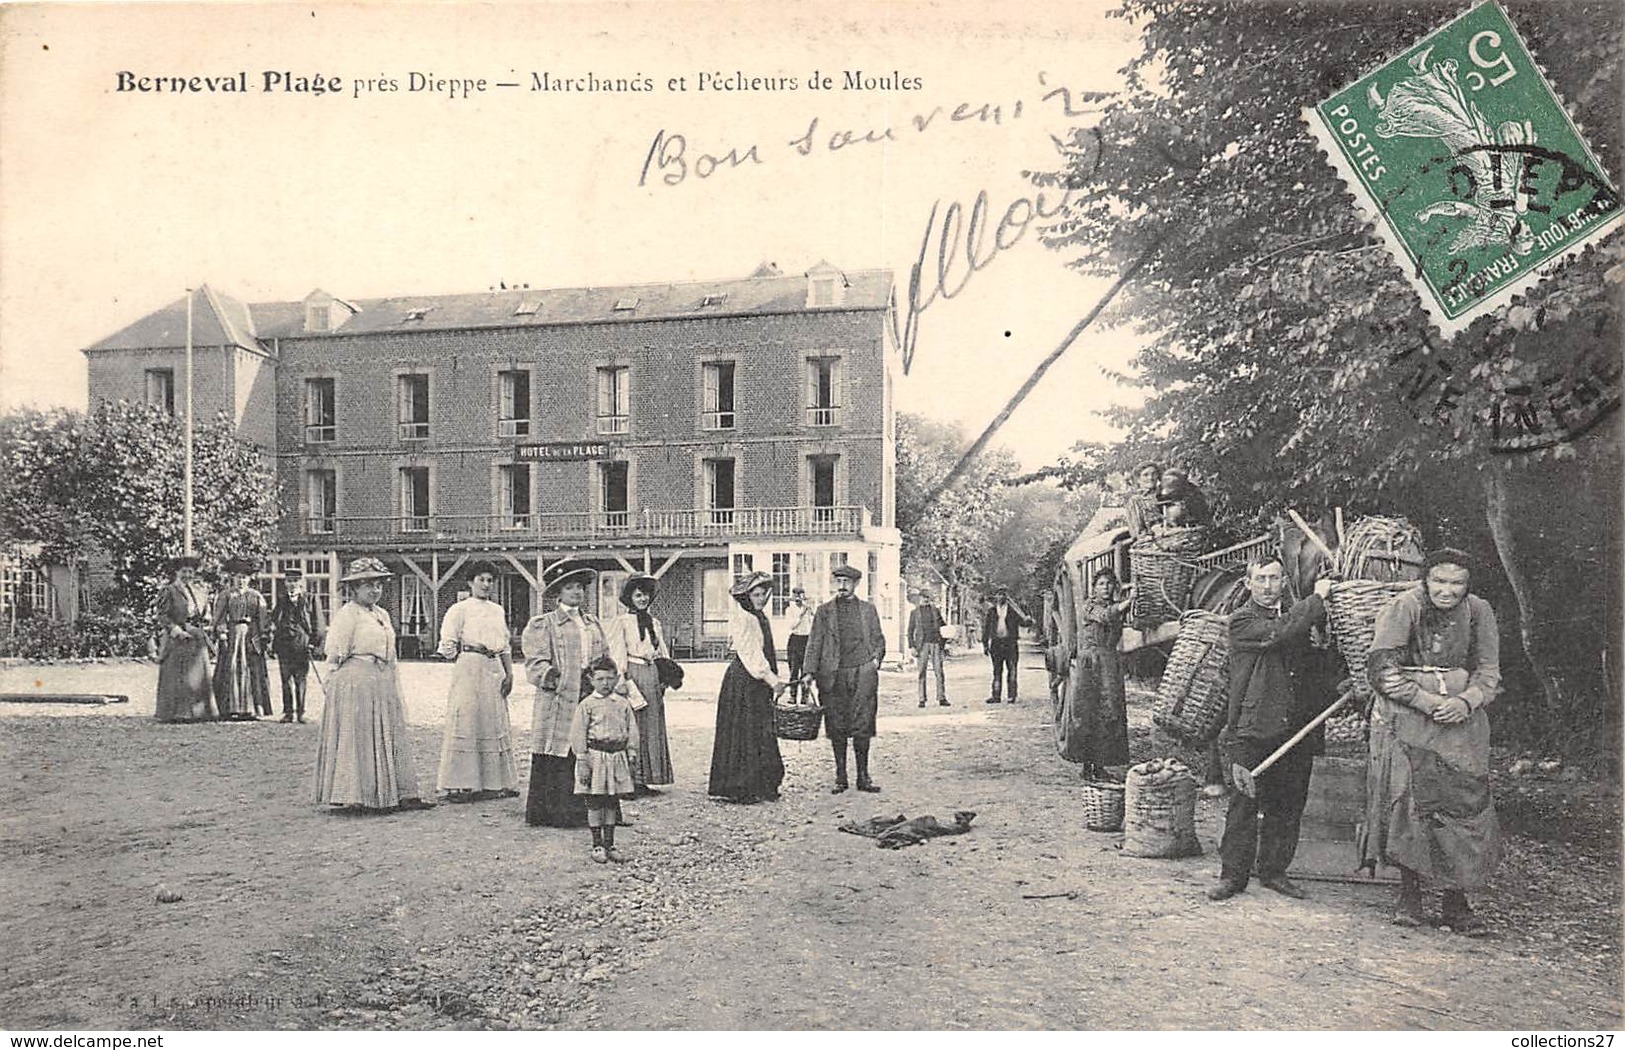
{"x": 1001, "y": 640}
{"x": 1272, "y": 696}
{"x": 843, "y": 656}
{"x": 925, "y": 638}
{"x": 297, "y": 627}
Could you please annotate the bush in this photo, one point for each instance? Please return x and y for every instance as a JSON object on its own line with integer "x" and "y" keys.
{"x": 92, "y": 635}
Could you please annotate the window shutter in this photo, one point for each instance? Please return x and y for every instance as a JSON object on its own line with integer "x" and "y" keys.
{"x": 713, "y": 381}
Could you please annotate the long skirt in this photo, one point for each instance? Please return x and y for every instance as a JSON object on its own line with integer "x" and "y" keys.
{"x": 1093, "y": 725}
{"x": 654, "y": 754}
{"x": 552, "y": 798}
{"x": 477, "y": 751}
{"x": 745, "y": 762}
{"x": 183, "y": 682}
{"x": 242, "y": 685}
{"x": 364, "y": 758}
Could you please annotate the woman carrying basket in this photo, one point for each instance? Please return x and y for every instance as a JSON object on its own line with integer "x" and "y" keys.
{"x": 745, "y": 761}
{"x": 1093, "y": 726}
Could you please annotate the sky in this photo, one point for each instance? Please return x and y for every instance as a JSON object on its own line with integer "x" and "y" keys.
{"x": 112, "y": 202}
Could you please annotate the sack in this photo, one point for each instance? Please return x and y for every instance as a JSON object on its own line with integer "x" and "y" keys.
{"x": 635, "y": 696}
{"x": 669, "y": 671}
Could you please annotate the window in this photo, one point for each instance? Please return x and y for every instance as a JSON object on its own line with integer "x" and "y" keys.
{"x": 161, "y": 389}
{"x": 823, "y": 488}
{"x": 527, "y": 307}
{"x": 718, "y": 411}
{"x": 744, "y": 564}
{"x": 412, "y": 396}
{"x": 321, "y": 411}
{"x": 781, "y": 583}
{"x": 713, "y": 300}
{"x": 318, "y": 318}
{"x": 513, "y": 413}
{"x": 874, "y": 571}
{"x": 823, "y": 391}
{"x": 415, "y": 499}
{"x": 719, "y": 490}
{"x": 614, "y": 400}
{"x": 513, "y": 593}
{"x": 25, "y": 592}
{"x": 810, "y": 574}
{"x": 513, "y": 495}
{"x": 823, "y": 291}
{"x": 416, "y": 601}
{"x": 612, "y": 485}
{"x": 321, "y": 501}
{"x": 715, "y": 602}
{"x": 836, "y": 560}
{"x": 627, "y": 303}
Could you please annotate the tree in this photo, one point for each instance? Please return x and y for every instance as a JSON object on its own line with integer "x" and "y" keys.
{"x": 110, "y": 485}
{"x": 1287, "y": 357}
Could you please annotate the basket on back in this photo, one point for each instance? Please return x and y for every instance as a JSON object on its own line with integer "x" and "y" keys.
{"x": 1351, "y": 611}
{"x": 1163, "y": 570}
{"x": 1382, "y": 549}
{"x": 1193, "y": 697}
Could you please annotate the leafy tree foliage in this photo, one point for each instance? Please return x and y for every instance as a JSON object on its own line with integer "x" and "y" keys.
{"x": 109, "y": 485}
{"x": 1288, "y": 360}
{"x": 953, "y": 531}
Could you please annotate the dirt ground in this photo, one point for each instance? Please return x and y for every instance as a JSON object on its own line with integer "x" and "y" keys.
{"x": 726, "y": 917}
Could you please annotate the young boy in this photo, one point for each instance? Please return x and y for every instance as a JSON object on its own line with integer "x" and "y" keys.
{"x": 604, "y": 739}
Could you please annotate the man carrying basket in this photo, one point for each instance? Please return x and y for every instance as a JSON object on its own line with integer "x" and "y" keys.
{"x": 843, "y": 657}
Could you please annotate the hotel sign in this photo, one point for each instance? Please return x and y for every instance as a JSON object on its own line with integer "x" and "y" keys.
{"x": 556, "y": 451}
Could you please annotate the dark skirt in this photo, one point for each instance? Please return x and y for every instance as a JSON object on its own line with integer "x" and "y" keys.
{"x": 552, "y": 800}
{"x": 745, "y": 761}
{"x": 1093, "y": 727}
{"x": 183, "y": 682}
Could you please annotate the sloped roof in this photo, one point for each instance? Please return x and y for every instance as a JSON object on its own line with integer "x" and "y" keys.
{"x": 868, "y": 290}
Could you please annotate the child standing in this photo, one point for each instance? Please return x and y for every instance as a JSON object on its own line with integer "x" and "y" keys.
{"x": 604, "y": 737}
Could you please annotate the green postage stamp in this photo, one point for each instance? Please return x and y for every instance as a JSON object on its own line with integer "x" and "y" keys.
{"x": 1469, "y": 164}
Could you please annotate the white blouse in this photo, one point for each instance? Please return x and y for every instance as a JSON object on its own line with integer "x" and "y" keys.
{"x": 621, "y": 636}
{"x": 745, "y": 637}
{"x": 475, "y": 621}
{"x": 358, "y": 631}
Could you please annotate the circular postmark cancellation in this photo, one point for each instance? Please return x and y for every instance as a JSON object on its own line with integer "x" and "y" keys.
{"x": 1480, "y": 185}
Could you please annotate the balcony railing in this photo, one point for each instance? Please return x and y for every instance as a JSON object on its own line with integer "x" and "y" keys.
{"x": 639, "y": 525}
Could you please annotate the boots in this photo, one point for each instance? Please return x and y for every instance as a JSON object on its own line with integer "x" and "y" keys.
{"x": 1410, "y": 912}
{"x": 838, "y": 745}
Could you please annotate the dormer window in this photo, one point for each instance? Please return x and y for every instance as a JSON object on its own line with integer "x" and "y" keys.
{"x": 628, "y": 303}
{"x": 325, "y": 312}
{"x": 713, "y": 300}
{"x": 826, "y": 286}
{"x": 528, "y": 307}
{"x": 318, "y": 318}
{"x": 416, "y": 315}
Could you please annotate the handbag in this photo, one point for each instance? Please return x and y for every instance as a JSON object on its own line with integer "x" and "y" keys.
{"x": 669, "y": 671}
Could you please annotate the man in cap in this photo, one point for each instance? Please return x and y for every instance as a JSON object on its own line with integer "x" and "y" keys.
{"x": 297, "y": 626}
{"x": 925, "y": 626}
{"x": 844, "y": 652}
{"x": 1001, "y": 640}
{"x": 1434, "y": 665}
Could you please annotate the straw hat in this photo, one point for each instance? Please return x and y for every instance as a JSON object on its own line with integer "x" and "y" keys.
{"x": 582, "y": 576}
{"x": 749, "y": 582}
{"x": 365, "y": 569}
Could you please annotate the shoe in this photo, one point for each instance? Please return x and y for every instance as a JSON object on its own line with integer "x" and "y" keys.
{"x": 922, "y": 703}
{"x": 414, "y": 803}
{"x": 301, "y": 719}
{"x": 941, "y": 703}
{"x": 868, "y": 785}
{"x": 994, "y": 700}
{"x": 287, "y": 718}
{"x": 1284, "y": 886}
{"x": 1225, "y": 890}
{"x": 459, "y": 797}
{"x": 840, "y": 786}
{"x": 615, "y": 855}
{"x": 600, "y": 855}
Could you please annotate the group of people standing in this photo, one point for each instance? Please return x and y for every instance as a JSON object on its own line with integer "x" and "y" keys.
{"x": 212, "y": 652}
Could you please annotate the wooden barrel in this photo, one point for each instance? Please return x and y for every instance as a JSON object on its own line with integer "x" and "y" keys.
{"x": 1336, "y": 799}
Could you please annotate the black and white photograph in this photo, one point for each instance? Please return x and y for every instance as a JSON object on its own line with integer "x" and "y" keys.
{"x": 607, "y": 516}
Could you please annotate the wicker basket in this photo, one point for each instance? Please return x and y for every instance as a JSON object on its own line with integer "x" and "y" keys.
{"x": 1194, "y": 695}
{"x": 1159, "y": 811}
{"x": 1162, "y": 583}
{"x": 1103, "y": 805}
{"x": 1384, "y": 549}
{"x": 1351, "y": 610}
{"x": 797, "y": 721}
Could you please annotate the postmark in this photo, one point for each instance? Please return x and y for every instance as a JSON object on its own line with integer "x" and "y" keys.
{"x": 1462, "y": 154}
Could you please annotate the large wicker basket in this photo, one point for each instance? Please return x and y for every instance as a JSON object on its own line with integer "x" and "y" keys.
{"x": 1102, "y": 805}
{"x": 797, "y": 721}
{"x": 1162, "y": 583}
{"x": 1351, "y": 610}
{"x": 1194, "y": 694}
{"x": 1159, "y": 811}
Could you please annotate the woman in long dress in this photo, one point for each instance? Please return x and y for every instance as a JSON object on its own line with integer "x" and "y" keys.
{"x": 242, "y": 625}
{"x": 745, "y": 762}
{"x": 476, "y": 758}
{"x": 1093, "y": 727}
{"x": 364, "y": 759}
{"x": 184, "y": 650}
{"x": 559, "y": 645}
{"x": 635, "y": 639}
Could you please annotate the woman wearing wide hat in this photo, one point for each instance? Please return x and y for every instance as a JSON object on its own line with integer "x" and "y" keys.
{"x": 476, "y": 757}
{"x": 184, "y": 646}
{"x": 636, "y": 640}
{"x": 364, "y": 760}
{"x": 745, "y": 762}
{"x": 242, "y": 626}
{"x": 559, "y": 645}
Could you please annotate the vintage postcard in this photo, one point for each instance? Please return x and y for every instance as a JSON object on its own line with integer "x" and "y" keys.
{"x": 749, "y": 516}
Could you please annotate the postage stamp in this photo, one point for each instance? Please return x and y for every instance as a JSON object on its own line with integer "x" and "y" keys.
{"x": 1462, "y": 154}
